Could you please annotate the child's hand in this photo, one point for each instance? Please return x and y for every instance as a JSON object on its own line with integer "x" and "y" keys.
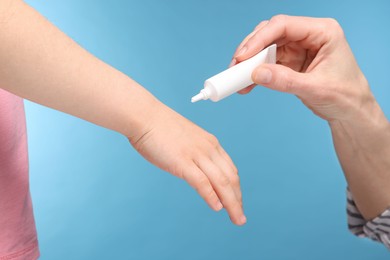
{"x": 178, "y": 146}
{"x": 43, "y": 65}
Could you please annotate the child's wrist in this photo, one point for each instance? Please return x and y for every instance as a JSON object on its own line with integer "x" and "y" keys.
{"x": 141, "y": 118}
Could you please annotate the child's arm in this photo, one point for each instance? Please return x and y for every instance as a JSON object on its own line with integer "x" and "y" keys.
{"x": 38, "y": 62}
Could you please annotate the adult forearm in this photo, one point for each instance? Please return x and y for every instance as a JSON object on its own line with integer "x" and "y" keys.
{"x": 40, "y": 63}
{"x": 363, "y": 148}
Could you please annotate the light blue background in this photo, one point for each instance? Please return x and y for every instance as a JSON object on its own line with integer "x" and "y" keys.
{"x": 96, "y": 198}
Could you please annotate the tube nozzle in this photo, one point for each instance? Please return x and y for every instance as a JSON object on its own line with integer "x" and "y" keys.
{"x": 197, "y": 97}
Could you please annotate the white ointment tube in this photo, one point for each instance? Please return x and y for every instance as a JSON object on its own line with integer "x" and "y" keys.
{"x": 235, "y": 78}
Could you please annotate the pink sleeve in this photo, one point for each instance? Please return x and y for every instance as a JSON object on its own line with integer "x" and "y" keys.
{"x": 18, "y": 238}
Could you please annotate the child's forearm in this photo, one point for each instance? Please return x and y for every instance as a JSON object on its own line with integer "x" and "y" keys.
{"x": 40, "y": 63}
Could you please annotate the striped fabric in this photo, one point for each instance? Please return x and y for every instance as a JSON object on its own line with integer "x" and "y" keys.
{"x": 377, "y": 229}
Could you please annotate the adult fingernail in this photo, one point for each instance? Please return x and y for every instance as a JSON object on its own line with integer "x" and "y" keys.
{"x": 232, "y": 63}
{"x": 242, "y": 51}
{"x": 263, "y": 76}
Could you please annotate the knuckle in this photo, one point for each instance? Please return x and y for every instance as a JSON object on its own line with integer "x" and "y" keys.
{"x": 177, "y": 171}
{"x": 201, "y": 183}
{"x": 223, "y": 180}
{"x": 209, "y": 194}
{"x": 235, "y": 179}
{"x": 213, "y": 140}
{"x": 333, "y": 23}
{"x": 334, "y": 26}
{"x": 280, "y": 18}
{"x": 235, "y": 171}
{"x": 237, "y": 208}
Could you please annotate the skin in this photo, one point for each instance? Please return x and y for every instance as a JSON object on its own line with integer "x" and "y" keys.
{"x": 315, "y": 63}
{"x": 40, "y": 63}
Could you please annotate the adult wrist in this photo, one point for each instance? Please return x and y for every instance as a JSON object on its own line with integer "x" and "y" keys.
{"x": 367, "y": 130}
{"x": 361, "y": 112}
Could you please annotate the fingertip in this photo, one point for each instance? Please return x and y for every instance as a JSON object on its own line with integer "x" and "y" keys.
{"x": 251, "y": 48}
{"x": 243, "y": 91}
{"x": 247, "y": 89}
{"x": 243, "y": 220}
{"x": 245, "y": 53}
{"x": 218, "y": 206}
{"x": 240, "y": 221}
{"x": 262, "y": 75}
{"x": 232, "y": 63}
{"x": 242, "y": 51}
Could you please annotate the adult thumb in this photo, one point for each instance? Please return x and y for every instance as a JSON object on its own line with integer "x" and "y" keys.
{"x": 280, "y": 78}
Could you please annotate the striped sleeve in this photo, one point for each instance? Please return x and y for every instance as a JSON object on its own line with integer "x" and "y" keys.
{"x": 377, "y": 229}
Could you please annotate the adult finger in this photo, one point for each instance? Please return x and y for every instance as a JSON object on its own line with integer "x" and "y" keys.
{"x": 258, "y": 27}
{"x": 309, "y": 32}
{"x": 234, "y": 61}
{"x": 247, "y": 89}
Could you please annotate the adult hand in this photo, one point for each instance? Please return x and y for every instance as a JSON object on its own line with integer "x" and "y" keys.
{"x": 314, "y": 62}
{"x": 178, "y": 146}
